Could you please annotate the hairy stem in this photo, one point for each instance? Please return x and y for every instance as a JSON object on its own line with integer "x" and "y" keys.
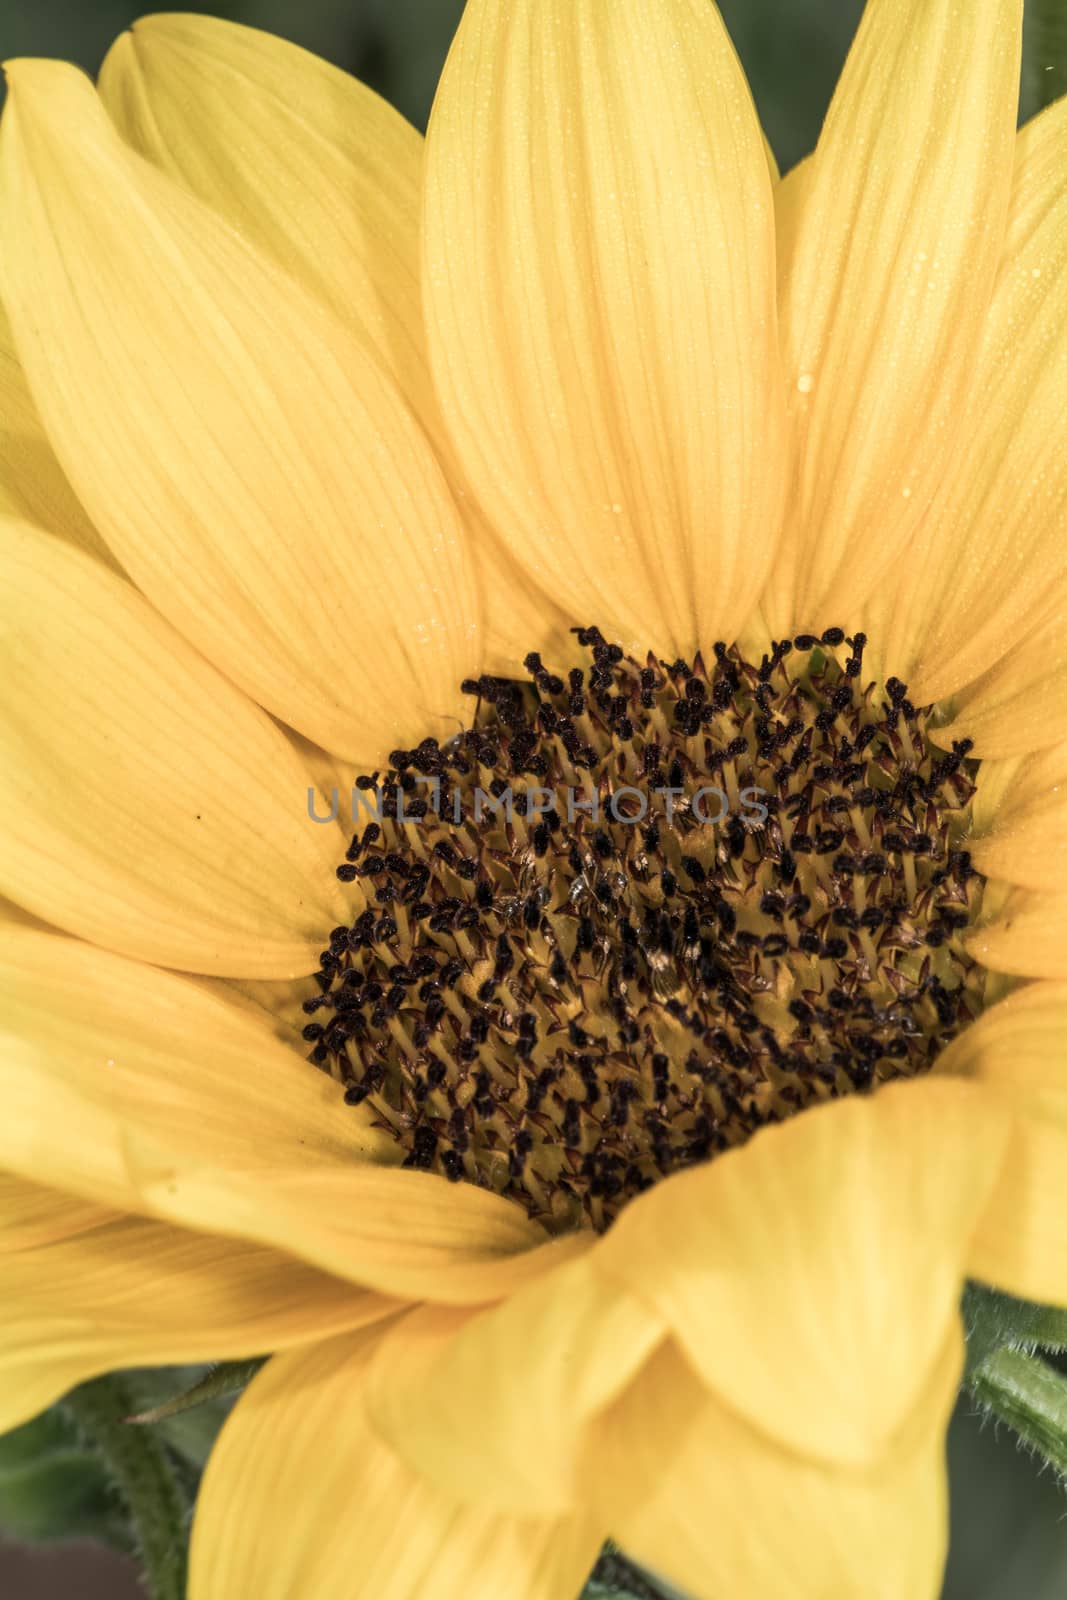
{"x": 143, "y": 1475}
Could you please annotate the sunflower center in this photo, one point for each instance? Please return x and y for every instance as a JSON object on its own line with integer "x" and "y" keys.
{"x": 636, "y": 913}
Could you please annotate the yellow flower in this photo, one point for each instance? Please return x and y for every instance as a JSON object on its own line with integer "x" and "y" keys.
{"x": 252, "y": 544}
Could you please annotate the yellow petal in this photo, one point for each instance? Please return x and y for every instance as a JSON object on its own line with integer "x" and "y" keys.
{"x": 1020, "y": 705}
{"x": 250, "y": 464}
{"x": 148, "y": 805}
{"x": 812, "y": 1275}
{"x": 1019, "y": 1246}
{"x": 32, "y": 483}
{"x": 892, "y": 266}
{"x": 32, "y": 1215}
{"x": 519, "y": 615}
{"x": 403, "y": 1232}
{"x": 13, "y": 916}
{"x": 277, "y": 1004}
{"x": 301, "y": 1498}
{"x": 698, "y": 1496}
{"x": 1026, "y": 837}
{"x": 493, "y": 1408}
{"x": 1017, "y": 1052}
{"x": 599, "y": 285}
{"x": 790, "y": 195}
{"x": 778, "y": 602}
{"x": 996, "y": 791}
{"x": 137, "y": 1293}
{"x": 141, "y": 1090}
{"x": 994, "y": 544}
{"x": 1028, "y": 936}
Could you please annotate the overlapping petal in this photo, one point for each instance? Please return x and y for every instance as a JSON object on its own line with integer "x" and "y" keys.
{"x": 995, "y": 790}
{"x": 300, "y": 1493}
{"x": 1024, "y": 839}
{"x": 278, "y": 1004}
{"x": 318, "y": 171}
{"x": 326, "y": 179}
{"x": 893, "y": 259}
{"x": 116, "y": 1076}
{"x": 148, "y": 806}
{"x": 992, "y": 555}
{"x": 1017, "y": 1052}
{"x": 699, "y": 1497}
{"x": 134, "y": 1292}
{"x": 144, "y": 1091}
{"x": 32, "y": 1215}
{"x": 815, "y": 1239}
{"x": 599, "y": 291}
{"x": 494, "y": 1408}
{"x": 275, "y": 481}
{"x": 1020, "y": 704}
{"x": 1027, "y": 937}
{"x": 403, "y": 1232}
{"x": 32, "y": 483}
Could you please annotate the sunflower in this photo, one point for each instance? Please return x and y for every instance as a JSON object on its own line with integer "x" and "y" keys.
{"x": 575, "y": 467}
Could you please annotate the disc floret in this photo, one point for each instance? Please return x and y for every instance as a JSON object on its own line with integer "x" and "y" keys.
{"x": 636, "y": 913}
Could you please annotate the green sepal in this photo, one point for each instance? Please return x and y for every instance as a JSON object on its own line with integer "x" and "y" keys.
{"x": 993, "y": 1320}
{"x": 1031, "y": 1397}
{"x": 218, "y": 1383}
{"x": 1048, "y": 1329}
{"x": 1006, "y": 1373}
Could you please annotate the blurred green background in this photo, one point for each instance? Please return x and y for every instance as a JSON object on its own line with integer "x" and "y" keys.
{"x": 1009, "y": 1522}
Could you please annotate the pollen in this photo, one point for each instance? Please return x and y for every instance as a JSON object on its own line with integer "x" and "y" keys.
{"x": 640, "y": 910}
